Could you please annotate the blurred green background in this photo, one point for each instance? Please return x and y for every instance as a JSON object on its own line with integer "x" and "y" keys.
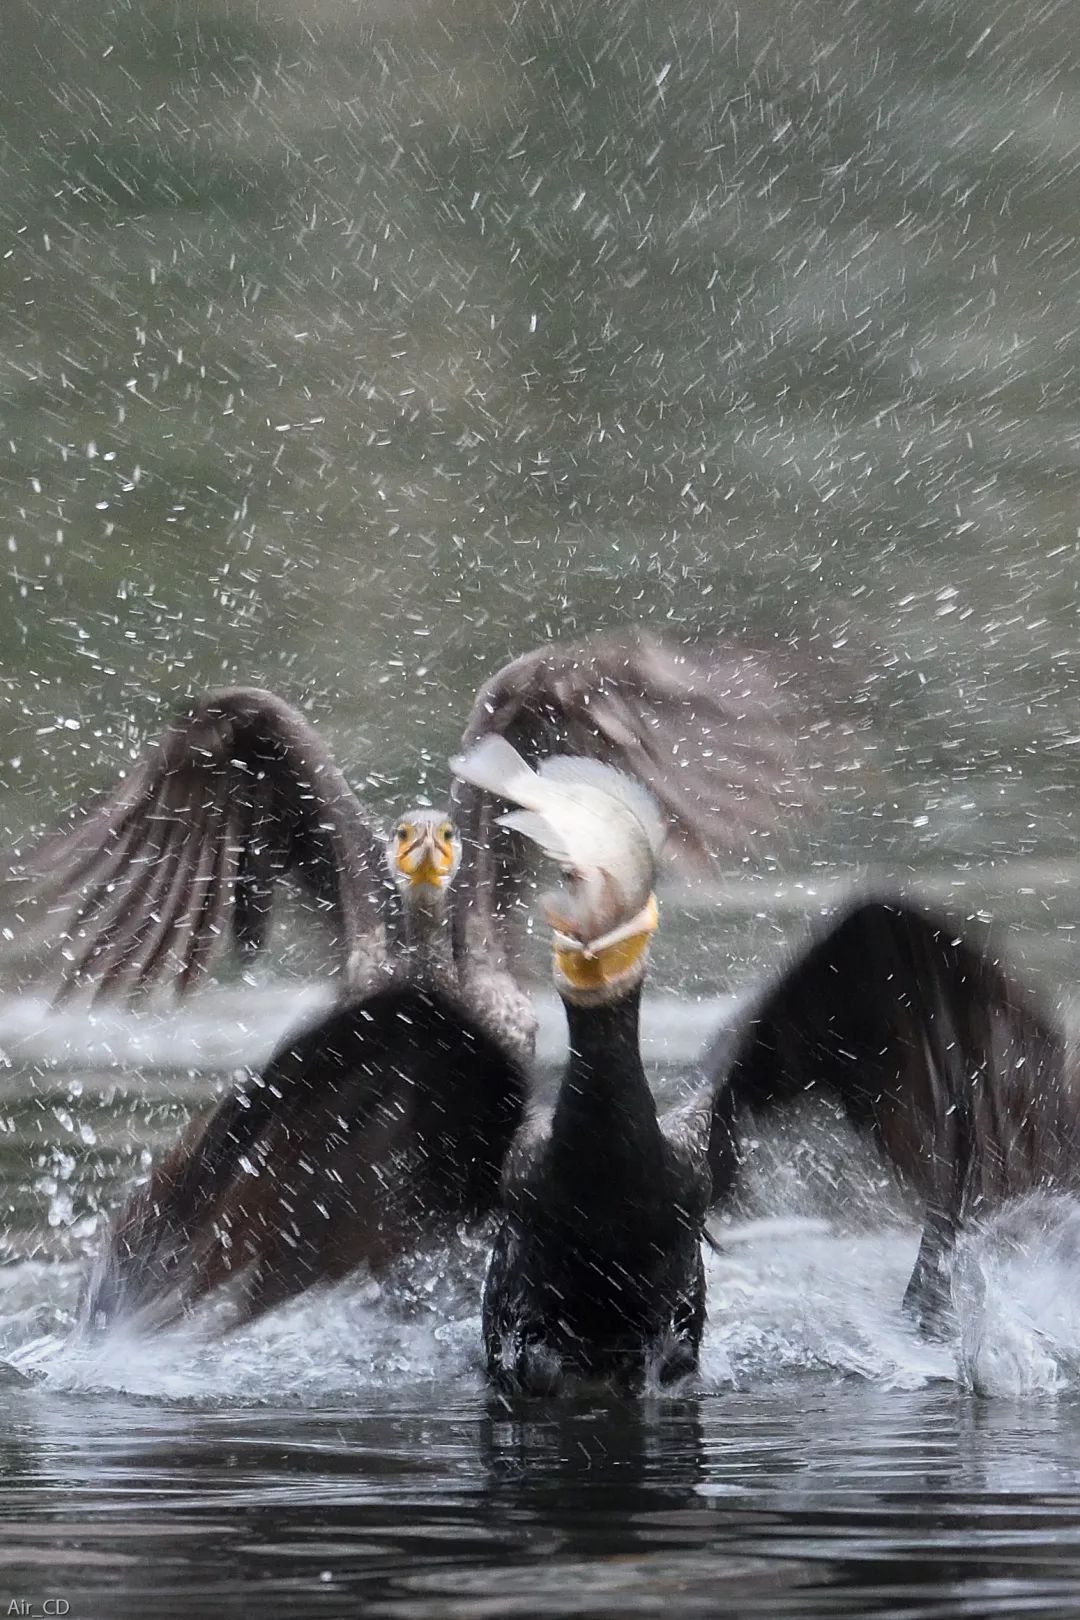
{"x": 354, "y": 347}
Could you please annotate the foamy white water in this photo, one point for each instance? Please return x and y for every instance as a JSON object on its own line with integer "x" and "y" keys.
{"x": 1016, "y": 1282}
{"x": 791, "y": 1301}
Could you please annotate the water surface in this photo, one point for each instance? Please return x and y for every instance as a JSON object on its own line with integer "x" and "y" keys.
{"x": 816, "y": 1498}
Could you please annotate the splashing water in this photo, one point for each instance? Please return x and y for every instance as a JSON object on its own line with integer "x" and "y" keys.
{"x": 809, "y": 1278}
{"x": 1016, "y": 1283}
{"x": 789, "y": 1300}
{"x": 795, "y": 1300}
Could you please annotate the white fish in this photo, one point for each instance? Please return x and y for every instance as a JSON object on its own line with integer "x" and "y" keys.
{"x": 602, "y": 828}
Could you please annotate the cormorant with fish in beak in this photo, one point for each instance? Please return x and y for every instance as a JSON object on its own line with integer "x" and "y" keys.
{"x": 596, "y": 1271}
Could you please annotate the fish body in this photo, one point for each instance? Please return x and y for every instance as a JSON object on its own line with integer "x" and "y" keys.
{"x": 603, "y": 829}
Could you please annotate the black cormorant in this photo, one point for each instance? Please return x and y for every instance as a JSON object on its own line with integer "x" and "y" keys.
{"x": 963, "y": 1082}
{"x": 596, "y": 1270}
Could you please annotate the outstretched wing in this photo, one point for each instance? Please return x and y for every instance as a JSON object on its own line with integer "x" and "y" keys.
{"x": 928, "y": 1045}
{"x": 239, "y": 791}
{"x": 710, "y": 732}
{"x": 385, "y": 1122}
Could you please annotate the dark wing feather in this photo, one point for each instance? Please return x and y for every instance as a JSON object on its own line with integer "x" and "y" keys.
{"x": 238, "y": 792}
{"x": 928, "y": 1045}
{"x": 386, "y": 1121}
{"x": 710, "y": 731}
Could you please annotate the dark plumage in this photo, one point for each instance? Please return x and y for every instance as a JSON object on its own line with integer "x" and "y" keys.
{"x": 930, "y": 1046}
{"x": 596, "y": 1271}
{"x": 397, "y": 1117}
{"x": 387, "y": 1119}
{"x": 239, "y": 791}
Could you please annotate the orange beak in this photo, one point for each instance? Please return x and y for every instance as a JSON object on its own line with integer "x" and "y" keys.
{"x": 427, "y": 858}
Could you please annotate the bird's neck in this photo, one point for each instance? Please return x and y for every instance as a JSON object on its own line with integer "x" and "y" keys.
{"x": 605, "y": 1097}
{"x": 428, "y": 948}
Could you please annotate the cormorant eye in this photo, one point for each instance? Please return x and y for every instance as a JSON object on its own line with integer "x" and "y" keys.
{"x": 446, "y": 832}
{"x": 402, "y": 834}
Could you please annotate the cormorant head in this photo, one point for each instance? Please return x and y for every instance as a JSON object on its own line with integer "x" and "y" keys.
{"x": 424, "y": 851}
{"x": 604, "y": 831}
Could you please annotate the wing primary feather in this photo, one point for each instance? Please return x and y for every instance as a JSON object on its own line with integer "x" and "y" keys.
{"x": 249, "y": 792}
{"x": 716, "y": 732}
{"x": 115, "y": 971}
{"x": 385, "y": 1122}
{"x": 929, "y": 1046}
